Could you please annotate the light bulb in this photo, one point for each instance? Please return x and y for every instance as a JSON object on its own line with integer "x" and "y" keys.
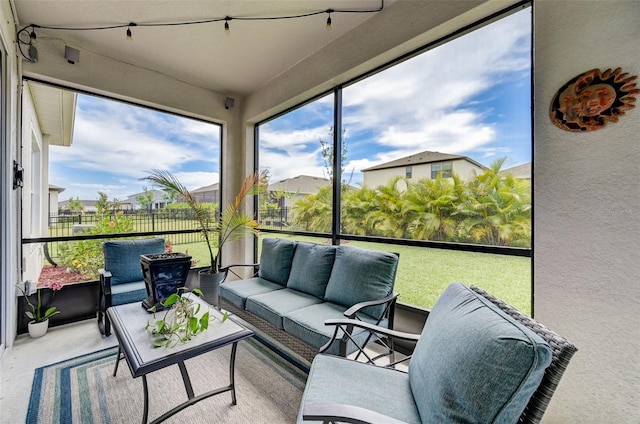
{"x": 33, "y": 38}
{"x": 227, "y": 31}
{"x": 329, "y": 19}
{"x": 129, "y": 37}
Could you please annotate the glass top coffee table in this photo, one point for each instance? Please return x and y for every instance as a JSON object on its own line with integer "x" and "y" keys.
{"x": 136, "y": 345}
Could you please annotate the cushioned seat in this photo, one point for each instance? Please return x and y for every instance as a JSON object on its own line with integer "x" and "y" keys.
{"x": 385, "y": 389}
{"x": 307, "y": 324}
{"x": 473, "y": 363}
{"x": 272, "y": 306}
{"x": 237, "y": 292}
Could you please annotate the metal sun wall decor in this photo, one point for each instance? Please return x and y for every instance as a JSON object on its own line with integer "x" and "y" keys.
{"x": 588, "y": 101}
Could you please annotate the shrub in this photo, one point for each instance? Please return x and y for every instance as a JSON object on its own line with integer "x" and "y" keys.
{"x": 85, "y": 256}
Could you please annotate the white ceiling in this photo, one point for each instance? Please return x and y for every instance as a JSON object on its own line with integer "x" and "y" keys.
{"x": 202, "y": 55}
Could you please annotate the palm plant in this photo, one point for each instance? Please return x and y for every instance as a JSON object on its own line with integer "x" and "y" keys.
{"x": 232, "y": 224}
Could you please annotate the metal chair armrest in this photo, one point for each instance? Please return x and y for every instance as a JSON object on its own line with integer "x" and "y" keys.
{"x": 400, "y": 335}
{"x": 337, "y": 412}
{"x": 227, "y": 269}
{"x": 105, "y": 281}
{"x": 349, "y": 313}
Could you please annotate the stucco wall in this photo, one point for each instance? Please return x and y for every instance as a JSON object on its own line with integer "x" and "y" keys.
{"x": 587, "y": 214}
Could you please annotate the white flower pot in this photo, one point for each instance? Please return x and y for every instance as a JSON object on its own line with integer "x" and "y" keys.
{"x": 38, "y": 329}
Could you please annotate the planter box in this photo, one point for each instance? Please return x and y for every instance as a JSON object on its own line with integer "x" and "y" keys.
{"x": 163, "y": 274}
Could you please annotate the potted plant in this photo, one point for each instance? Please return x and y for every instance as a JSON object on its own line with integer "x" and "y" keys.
{"x": 181, "y": 320}
{"x": 40, "y": 312}
{"x": 232, "y": 224}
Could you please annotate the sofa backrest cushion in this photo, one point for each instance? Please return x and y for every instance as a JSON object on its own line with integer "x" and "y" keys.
{"x": 275, "y": 259}
{"x": 474, "y": 363}
{"x": 311, "y": 268}
{"x": 360, "y": 275}
{"x": 122, "y": 257}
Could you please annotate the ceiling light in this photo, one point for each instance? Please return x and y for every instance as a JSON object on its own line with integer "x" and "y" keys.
{"x": 329, "y": 19}
{"x": 226, "y": 25}
{"x": 129, "y": 34}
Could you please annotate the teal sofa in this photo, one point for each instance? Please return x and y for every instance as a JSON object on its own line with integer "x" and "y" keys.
{"x": 300, "y": 285}
{"x": 478, "y": 360}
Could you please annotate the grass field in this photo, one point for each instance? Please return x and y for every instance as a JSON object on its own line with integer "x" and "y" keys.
{"x": 424, "y": 273}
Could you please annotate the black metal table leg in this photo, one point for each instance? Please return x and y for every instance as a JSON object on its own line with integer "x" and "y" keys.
{"x": 145, "y": 414}
{"x": 115, "y": 369}
{"x": 232, "y": 378}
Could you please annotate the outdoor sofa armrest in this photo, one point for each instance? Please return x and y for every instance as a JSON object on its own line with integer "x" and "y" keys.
{"x": 227, "y": 269}
{"x": 338, "y": 412}
{"x": 351, "y": 312}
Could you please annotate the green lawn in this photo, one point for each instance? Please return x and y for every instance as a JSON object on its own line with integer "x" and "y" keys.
{"x": 424, "y": 273}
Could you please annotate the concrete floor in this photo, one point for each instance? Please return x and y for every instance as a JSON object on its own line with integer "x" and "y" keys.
{"x": 17, "y": 366}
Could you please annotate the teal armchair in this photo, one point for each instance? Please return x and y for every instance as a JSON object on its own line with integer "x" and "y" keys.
{"x": 478, "y": 360}
{"x": 121, "y": 280}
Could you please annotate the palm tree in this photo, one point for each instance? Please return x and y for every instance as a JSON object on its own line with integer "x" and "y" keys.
{"x": 233, "y": 224}
{"x": 498, "y": 209}
{"x": 435, "y": 203}
{"x": 393, "y": 216}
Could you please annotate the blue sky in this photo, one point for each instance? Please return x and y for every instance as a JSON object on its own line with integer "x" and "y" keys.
{"x": 470, "y": 96}
{"x": 115, "y": 144}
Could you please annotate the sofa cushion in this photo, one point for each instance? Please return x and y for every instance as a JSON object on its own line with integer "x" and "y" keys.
{"x": 122, "y": 258}
{"x": 359, "y": 275}
{"x": 237, "y": 292}
{"x": 307, "y": 324}
{"x": 473, "y": 363}
{"x": 275, "y": 259}
{"x": 272, "y": 306}
{"x": 311, "y": 268}
{"x": 338, "y": 380}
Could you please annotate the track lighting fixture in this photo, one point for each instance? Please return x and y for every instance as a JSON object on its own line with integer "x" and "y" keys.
{"x": 27, "y": 37}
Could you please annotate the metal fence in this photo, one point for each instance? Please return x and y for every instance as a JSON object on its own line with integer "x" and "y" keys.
{"x": 75, "y": 225}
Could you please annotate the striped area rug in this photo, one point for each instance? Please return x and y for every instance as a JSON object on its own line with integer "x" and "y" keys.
{"x": 83, "y": 390}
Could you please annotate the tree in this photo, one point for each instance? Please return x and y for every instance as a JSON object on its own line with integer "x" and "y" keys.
{"x": 75, "y": 205}
{"x": 435, "y": 202}
{"x": 393, "y": 215}
{"x": 358, "y": 209}
{"x": 102, "y": 204}
{"x": 498, "y": 209}
{"x": 326, "y": 149}
{"x": 145, "y": 198}
{"x": 314, "y": 211}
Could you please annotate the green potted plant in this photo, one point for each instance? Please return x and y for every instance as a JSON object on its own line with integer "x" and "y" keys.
{"x": 40, "y": 312}
{"x": 232, "y": 224}
{"x": 181, "y": 320}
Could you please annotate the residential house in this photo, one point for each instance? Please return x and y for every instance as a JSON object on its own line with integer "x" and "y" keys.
{"x": 209, "y": 194}
{"x": 521, "y": 172}
{"x": 54, "y": 198}
{"x": 158, "y": 200}
{"x": 423, "y": 165}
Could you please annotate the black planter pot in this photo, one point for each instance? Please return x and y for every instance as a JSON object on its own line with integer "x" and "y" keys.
{"x": 163, "y": 274}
